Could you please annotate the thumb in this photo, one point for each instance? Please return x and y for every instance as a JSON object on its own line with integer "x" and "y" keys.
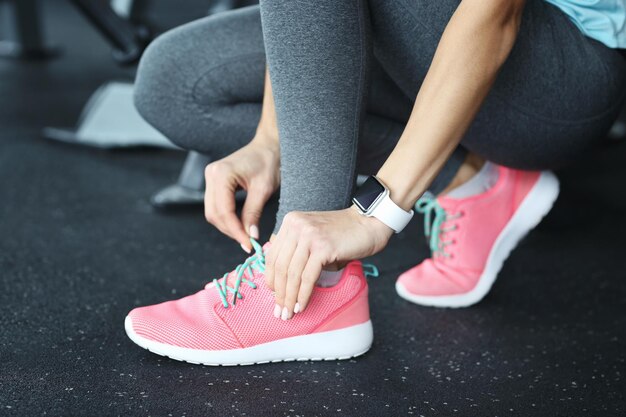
{"x": 256, "y": 198}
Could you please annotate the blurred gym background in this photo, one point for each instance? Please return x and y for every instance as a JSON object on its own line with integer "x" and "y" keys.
{"x": 34, "y": 31}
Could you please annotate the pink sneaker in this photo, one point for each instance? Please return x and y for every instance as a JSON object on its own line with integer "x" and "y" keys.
{"x": 231, "y": 322}
{"x": 470, "y": 238}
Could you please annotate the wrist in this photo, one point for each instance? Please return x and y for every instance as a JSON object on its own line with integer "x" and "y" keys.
{"x": 266, "y": 140}
{"x": 381, "y": 231}
{"x": 267, "y": 135}
{"x": 402, "y": 191}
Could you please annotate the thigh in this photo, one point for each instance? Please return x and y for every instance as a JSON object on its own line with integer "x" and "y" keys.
{"x": 556, "y": 95}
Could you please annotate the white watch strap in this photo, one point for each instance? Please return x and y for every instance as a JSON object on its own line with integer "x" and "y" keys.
{"x": 391, "y": 214}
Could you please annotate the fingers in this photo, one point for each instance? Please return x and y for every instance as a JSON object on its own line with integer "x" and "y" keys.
{"x": 296, "y": 258}
{"x": 293, "y": 290}
{"x": 253, "y": 207}
{"x": 310, "y": 275}
{"x": 280, "y": 267}
{"x": 219, "y": 204}
{"x": 270, "y": 261}
{"x": 294, "y": 277}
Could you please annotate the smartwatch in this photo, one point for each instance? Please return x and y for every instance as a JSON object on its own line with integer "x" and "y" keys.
{"x": 373, "y": 200}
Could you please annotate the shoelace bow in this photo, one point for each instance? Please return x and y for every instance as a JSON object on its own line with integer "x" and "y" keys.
{"x": 254, "y": 262}
{"x": 433, "y": 228}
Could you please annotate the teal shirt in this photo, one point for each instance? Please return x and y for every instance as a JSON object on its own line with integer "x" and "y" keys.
{"x": 603, "y": 20}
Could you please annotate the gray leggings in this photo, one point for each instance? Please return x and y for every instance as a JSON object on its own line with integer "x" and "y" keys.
{"x": 345, "y": 74}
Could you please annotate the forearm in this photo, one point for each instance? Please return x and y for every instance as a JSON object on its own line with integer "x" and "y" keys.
{"x": 475, "y": 44}
{"x": 267, "y": 130}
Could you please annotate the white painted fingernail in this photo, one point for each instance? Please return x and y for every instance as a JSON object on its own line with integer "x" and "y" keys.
{"x": 296, "y": 309}
{"x": 277, "y": 311}
{"x": 254, "y": 232}
{"x": 245, "y": 248}
{"x": 285, "y": 314}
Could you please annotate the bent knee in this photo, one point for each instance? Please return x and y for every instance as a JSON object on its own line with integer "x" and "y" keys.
{"x": 162, "y": 94}
{"x": 158, "y": 82}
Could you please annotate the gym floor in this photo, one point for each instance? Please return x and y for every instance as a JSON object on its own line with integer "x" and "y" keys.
{"x": 80, "y": 246}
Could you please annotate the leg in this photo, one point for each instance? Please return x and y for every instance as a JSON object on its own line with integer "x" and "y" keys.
{"x": 318, "y": 57}
{"x": 320, "y": 106}
{"x": 201, "y": 84}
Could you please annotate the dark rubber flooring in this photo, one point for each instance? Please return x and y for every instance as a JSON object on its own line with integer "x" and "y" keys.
{"x": 80, "y": 246}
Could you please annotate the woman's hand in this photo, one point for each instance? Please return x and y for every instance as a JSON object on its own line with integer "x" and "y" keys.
{"x": 256, "y": 169}
{"x": 310, "y": 241}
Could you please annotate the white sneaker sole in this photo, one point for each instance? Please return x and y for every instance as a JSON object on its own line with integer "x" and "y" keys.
{"x": 534, "y": 207}
{"x": 333, "y": 345}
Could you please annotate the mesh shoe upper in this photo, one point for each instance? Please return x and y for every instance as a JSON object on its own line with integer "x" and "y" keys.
{"x": 201, "y": 321}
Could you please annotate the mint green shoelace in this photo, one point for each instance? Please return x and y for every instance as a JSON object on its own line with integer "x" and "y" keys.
{"x": 433, "y": 227}
{"x": 370, "y": 270}
{"x": 257, "y": 262}
{"x": 254, "y": 262}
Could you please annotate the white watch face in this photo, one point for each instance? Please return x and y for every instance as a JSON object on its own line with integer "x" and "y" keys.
{"x": 373, "y": 200}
